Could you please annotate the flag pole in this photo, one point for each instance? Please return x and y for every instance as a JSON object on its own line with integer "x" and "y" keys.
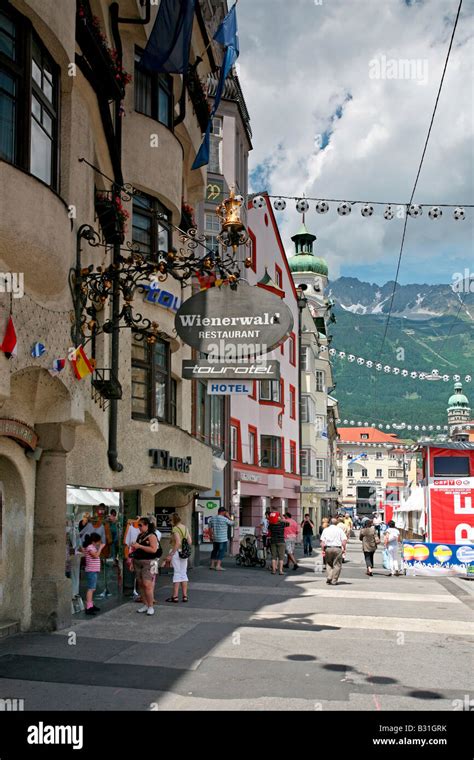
{"x": 210, "y": 43}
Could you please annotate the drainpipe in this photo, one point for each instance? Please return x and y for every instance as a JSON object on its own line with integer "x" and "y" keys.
{"x": 112, "y": 452}
{"x": 144, "y": 21}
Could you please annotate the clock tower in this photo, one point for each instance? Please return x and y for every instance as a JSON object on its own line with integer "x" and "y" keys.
{"x": 308, "y": 269}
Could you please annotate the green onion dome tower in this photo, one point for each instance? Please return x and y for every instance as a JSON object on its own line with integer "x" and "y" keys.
{"x": 459, "y": 414}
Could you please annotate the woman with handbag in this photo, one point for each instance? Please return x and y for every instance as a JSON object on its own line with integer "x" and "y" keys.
{"x": 370, "y": 539}
{"x": 180, "y": 551}
{"x": 145, "y": 552}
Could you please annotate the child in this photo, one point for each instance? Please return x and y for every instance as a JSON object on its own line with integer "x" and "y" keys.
{"x": 92, "y": 549}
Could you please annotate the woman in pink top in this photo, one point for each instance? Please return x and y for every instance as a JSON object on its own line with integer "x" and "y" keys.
{"x": 92, "y": 549}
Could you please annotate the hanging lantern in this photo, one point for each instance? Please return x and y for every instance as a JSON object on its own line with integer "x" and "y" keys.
{"x": 322, "y": 207}
{"x": 388, "y": 213}
{"x": 344, "y": 209}
{"x": 459, "y": 214}
{"x": 279, "y": 204}
{"x": 258, "y": 201}
{"x": 435, "y": 212}
{"x": 415, "y": 210}
{"x": 302, "y": 206}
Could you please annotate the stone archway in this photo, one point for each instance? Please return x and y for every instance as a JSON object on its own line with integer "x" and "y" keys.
{"x": 15, "y": 564}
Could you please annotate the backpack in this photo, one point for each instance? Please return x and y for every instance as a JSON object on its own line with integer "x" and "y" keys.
{"x": 185, "y": 551}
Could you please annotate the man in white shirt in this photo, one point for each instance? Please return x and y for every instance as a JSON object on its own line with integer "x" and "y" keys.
{"x": 333, "y": 543}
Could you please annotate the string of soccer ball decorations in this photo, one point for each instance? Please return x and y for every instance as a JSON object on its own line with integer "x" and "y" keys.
{"x": 344, "y": 208}
{"x": 396, "y": 426}
{"x": 433, "y": 375}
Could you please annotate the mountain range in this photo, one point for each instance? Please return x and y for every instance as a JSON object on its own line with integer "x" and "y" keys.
{"x": 431, "y": 327}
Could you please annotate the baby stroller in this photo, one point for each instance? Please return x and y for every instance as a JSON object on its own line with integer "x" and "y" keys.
{"x": 250, "y": 554}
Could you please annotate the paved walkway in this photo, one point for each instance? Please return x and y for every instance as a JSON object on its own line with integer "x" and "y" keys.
{"x": 250, "y": 640}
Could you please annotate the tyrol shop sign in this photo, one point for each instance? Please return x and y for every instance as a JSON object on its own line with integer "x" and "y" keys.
{"x": 229, "y": 325}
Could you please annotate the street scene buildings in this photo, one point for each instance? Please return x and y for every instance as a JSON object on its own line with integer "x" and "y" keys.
{"x": 176, "y": 368}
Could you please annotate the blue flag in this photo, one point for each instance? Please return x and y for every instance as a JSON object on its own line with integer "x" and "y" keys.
{"x": 169, "y": 43}
{"x": 228, "y": 35}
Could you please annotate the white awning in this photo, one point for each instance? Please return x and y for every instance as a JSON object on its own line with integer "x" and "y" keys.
{"x": 91, "y": 497}
{"x": 415, "y": 502}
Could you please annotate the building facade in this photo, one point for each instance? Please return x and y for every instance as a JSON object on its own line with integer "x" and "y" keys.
{"x": 374, "y": 468}
{"x": 318, "y": 409}
{"x": 77, "y": 136}
{"x": 265, "y": 425}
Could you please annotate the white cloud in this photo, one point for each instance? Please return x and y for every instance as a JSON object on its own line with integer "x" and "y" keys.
{"x": 299, "y": 62}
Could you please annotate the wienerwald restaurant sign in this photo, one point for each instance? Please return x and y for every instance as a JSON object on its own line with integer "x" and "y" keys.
{"x": 228, "y": 325}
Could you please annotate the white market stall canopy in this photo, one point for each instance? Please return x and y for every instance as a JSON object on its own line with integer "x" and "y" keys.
{"x": 415, "y": 502}
{"x": 91, "y": 497}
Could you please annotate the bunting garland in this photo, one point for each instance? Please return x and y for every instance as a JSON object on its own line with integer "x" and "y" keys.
{"x": 433, "y": 375}
{"x": 398, "y": 426}
{"x": 391, "y": 210}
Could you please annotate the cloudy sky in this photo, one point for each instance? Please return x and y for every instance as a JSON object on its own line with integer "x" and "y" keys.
{"x": 330, "y": 121}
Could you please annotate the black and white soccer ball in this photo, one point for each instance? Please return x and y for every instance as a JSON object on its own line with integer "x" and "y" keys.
{"x": 351, "y": 358}
{"x": 322, "y": 207}
{"x": 280, "y": 204}
{"x": 415, "y": 210}
{"x": 396, "y": 370}
{"x": 344, "y": 209}
{"x": 258, "y": 201}
{"x": 414, "y": 375}
{"x": 459, "y": 214}
{"x": 446, "y": 378}
{"x": 369, "y": 364}
{"x": 405, "y": 372}
{"x": 378, "y": 367}
{"x": 302, "y": 206}
{"x": 435, "y": 212}
{"x": 367, "y": 210}
{"x": 342, "y": 354}
{"x": 360, "y": 361}
{"x": 468, "y": 379}
{"x": 387, "y": 369}
{"x": 388, "y": 212}
{"x": 240, "y": 199}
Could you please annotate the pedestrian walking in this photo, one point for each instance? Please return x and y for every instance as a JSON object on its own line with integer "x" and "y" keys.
{"x": 391, "y": 541}
{"x": 92, "y": 549}
{"x": 291, "y": 536}
{"x": 218, "y": 531}
{"x": 307, "y": 527}
{"x": 377, "y": 523}
{"x": 369, "y": 538}
{"x": 345, "y": 527}
{"x": 333, "y": 542}
{"x": 145, "y": 552}
{"x": 264, "y": 529}
{"x": 322, "y": 527}
{"x": 277, "y": 541}
{"x": 179, "y": 553}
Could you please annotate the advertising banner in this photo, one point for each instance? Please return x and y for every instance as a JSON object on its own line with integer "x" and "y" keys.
{"x": 437, "y": 559}
{"x": 452, "y": 510}
{"x": 241, "y": 371}
{"x": 208, "y": 508}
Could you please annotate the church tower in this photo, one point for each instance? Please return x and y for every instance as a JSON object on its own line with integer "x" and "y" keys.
{"x": 459, "y": 415}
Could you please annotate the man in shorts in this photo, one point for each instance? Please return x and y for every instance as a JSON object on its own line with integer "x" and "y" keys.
{"x": 277, "y": 540}
{"x": 291, "y": 536}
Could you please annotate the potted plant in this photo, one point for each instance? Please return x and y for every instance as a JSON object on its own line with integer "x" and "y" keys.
{"x": 105, "y": 61}
{"x": 113, "y": 217}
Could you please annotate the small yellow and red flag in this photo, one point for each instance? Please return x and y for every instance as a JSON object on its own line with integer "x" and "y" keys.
{"x": 82, "y": 365}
